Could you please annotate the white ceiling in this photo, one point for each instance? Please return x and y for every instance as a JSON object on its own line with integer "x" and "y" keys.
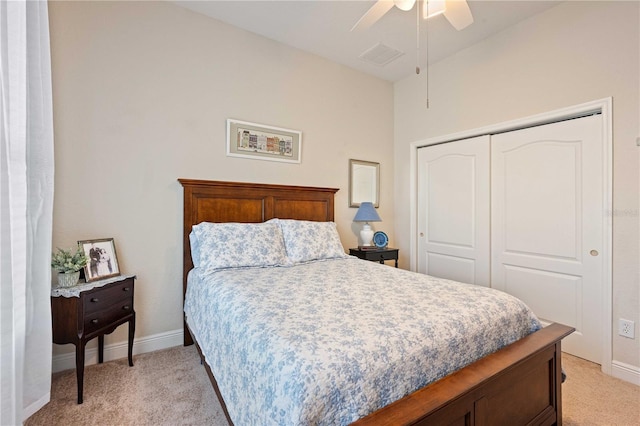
{"x": 323, "y": 27}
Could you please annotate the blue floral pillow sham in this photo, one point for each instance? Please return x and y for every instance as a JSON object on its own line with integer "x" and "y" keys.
{"x": 305, "y": 241}
{"x": 235, "y": 245}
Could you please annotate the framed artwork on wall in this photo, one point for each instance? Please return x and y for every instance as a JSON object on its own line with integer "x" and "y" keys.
{"x": 364, "y": 182}
{"x": 262, "y": 142}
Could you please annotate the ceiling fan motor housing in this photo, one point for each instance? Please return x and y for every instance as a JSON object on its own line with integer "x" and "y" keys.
{"x": 404, "y": 4}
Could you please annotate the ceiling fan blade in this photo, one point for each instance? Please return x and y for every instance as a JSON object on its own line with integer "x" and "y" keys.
{"x": 372, "y": 15}
{"x": 458, "y": 14}
{"x": 431, "y": 8}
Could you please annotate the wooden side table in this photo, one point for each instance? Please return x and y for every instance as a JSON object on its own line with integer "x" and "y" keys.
{"x": 91, "y": 310}
{"x": 376, "y": 255}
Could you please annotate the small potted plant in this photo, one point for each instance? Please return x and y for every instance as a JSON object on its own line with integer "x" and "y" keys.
{"x": 68, "y": 264}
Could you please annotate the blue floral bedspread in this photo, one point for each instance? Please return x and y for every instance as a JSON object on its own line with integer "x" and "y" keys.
{"x": 329, "y": 342}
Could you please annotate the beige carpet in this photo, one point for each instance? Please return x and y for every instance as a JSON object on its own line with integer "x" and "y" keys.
{"x": 167, "y": 387}
{"x": 170, "y": 387}
{"x": 590, "y": 397}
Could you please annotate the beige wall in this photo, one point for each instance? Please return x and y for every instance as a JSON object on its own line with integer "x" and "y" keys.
{"x": 571, "y": 54}
{"x": 141, "y": 94}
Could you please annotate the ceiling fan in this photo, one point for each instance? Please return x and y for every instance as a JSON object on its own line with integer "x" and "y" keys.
{"x": 456, "y": 11}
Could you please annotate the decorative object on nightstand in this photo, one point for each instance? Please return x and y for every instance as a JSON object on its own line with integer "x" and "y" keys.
{"x": 102, "y": 260}
{"x": 380, "y": 239}
{"x": 68, "y": 265}
{"x": 366, "y": 213}
{"x": 91, "y": 310}
{"x": 376, "y": 254}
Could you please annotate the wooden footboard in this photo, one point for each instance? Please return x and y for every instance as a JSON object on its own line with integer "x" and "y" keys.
{"x": 518, "y": 385}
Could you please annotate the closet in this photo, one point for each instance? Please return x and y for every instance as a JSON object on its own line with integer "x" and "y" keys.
{"x": 522, "y": 211}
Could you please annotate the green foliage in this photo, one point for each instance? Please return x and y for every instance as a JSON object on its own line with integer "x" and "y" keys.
{"x": 65, "y": 261}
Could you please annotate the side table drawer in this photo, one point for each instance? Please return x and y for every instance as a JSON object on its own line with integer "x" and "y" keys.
{"x": 385, "y": 255}
{"x": 97, "y": 320}
{"x": 102, "y": 298}
{"x": 376, "y": 254}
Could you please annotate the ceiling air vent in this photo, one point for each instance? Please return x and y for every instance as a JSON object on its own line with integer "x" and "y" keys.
{"x": 380, "y": 55}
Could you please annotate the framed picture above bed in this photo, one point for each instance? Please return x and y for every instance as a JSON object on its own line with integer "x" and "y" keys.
{"x": 364, "y": 182}
{"x": 262, "y": 142}
{"x": 102, "y": 260}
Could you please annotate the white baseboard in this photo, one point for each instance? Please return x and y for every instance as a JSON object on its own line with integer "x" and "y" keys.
{"x": 118, "y": 350}
{"x": 626, "y": 372}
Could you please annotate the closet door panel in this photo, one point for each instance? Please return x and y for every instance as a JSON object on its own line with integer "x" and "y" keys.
{"x": 527, "y": 284}
{"x": 547, "y": 225}
{"x": 539, "y": 198}
{"x": 453, "y": 210}
{"x": 452, "y": 267}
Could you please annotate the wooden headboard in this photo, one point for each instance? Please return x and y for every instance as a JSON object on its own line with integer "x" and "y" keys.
{"x": 215, "y": 201}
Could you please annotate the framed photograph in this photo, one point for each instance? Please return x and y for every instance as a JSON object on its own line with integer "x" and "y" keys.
{"x": 261, "y": 142}
{"x": 102, "y": 261}
{"x": 364, "y": 182}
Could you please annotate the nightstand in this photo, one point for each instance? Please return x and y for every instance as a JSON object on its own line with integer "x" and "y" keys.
{"x": 91, "y": 310}
{"x": 376, "y": 254}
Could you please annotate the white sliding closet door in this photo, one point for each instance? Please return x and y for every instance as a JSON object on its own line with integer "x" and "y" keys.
{"x": 547, "y": 218}
{"x": 453, "y": 210}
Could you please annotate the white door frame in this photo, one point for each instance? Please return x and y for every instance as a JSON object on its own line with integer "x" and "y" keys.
{"x": 602, "y": 106}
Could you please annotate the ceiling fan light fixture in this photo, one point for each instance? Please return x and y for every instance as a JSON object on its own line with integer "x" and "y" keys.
{"x": 404, "y": 4}
{"x": 433, "y": 8}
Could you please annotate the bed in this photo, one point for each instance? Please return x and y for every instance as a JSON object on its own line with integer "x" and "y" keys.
{"x": 519, "y": 383}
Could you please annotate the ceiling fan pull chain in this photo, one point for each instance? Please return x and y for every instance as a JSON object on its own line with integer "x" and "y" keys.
{"x": 426, "y": 29}
{"x": 418, "y": 38}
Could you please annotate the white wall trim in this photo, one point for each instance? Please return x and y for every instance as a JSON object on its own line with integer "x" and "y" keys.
{"x": 603, "y": 106}
{"x": 413, "y": 206}
{"x": 118, "y": 350}
{"x": 626, "y": 372}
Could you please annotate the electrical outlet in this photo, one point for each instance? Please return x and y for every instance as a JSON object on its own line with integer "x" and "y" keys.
{"x": 626, "y": 328}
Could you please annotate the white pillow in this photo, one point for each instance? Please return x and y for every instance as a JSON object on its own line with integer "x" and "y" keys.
{"x": 305, "y": 241}
{"x": 195, "y": 248}
{"x": 236, "y": 245}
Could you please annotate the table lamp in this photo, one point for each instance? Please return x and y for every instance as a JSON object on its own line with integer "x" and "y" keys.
{"x": 366, "y": 213}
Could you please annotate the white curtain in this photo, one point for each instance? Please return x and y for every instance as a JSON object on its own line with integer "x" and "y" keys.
{"x": 26, "y": 209}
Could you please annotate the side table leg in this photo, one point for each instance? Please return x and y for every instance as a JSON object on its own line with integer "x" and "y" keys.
{"x": 80, "y": 368}
{"x": 100, "y": 349}
{"x": 132, "y": 330}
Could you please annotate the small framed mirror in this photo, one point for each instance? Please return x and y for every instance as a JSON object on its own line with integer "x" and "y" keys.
{"x": 364, "y": 182}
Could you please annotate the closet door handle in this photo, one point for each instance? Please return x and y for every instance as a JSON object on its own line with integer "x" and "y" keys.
{"x": 594, "y": 252}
